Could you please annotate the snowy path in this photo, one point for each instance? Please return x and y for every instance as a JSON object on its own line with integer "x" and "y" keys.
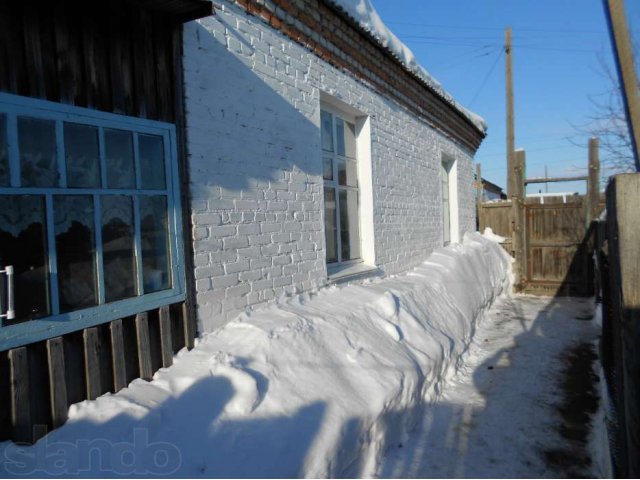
{"x": 518, "y": 408}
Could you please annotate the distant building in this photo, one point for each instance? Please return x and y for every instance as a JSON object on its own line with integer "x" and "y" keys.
{"x": 491, "y": 191}
{"x": 555, "y": 197}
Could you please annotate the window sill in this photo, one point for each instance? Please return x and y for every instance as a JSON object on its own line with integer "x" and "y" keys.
{"x": 346, "y": 273}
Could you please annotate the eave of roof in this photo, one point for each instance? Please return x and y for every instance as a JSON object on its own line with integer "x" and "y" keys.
{"x": 487, "y": 183}
{"x": 182, "y": 10}
{"x": 418, "y": 71}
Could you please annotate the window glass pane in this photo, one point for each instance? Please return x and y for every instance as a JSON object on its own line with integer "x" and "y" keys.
{"x": 4, "y": 152}
{"x": 350, "y": 140}
{"x": 155, "y": 243}
{"x": 118, "y": 247}
{"x": 82, "y": 155}
{"x": 444, "y": 174}
{"x": 327, "y": 168}
{"x": 340, "y": 136}
{"x": 347, "y": 172}
{"x": 23, "y": 244}
{"x": 75, "y": 247}
{"x": 446, "y": 220}
{"x": 349, "y": 231}
{"x": 120, "y": 163}
{"x": 326, "y": 131}
{"x": 330, "y": 229}
{"x": 38, "y": 160}
{"x": 152, "y": 162}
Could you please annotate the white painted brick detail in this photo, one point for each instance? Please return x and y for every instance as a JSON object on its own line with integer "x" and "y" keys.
{"x": 253, "y": 115}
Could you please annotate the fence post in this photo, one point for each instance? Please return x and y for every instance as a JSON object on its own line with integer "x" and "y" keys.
{"x": 479, "y": 188}
{"x": 593, "y": 183}
{"x": 517, "y": 202}
{"x": 623, "y": 197}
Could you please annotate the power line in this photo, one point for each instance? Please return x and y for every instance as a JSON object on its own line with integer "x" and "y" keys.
{"x": 452, "y": 43}
{"x": 446, "y": 37}
{"x": 520, "y": 36}
{"x": 486, "y": 78}
{"x": 532, "y": 162}
{"x": 559, "y": 147}
{"x": 463, "y": 59}
{"x": 448, "y": 43}
{"x": 500, "y": 29}
{"x": 556, "y": 49}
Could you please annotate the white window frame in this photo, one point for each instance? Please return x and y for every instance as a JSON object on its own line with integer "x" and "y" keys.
{"x": 362, "y": 123}
{"x": 58, "y": 323}
{"x": 337, "y": 188}
{"x": 450, "y": 166}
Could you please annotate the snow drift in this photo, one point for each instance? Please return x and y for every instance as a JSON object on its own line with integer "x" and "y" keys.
{"x": 317, "y": 385}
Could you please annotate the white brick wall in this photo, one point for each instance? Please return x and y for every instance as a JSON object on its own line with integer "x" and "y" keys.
{"x": 253, "y": 115}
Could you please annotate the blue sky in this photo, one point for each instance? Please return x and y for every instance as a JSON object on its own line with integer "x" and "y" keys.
{"x": 557, "y": 46}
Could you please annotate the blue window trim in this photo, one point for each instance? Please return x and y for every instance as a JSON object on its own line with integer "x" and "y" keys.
{"x": 12, "y": 336}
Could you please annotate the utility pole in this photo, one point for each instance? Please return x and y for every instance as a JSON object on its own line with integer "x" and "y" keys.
{"x": 593, "y": 184}
{"x": 619, "y": 33}
{"x": 510, "y": 129}
{"x": 546, "y": 175}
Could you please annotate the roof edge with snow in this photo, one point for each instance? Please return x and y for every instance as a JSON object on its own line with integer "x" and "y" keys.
{"x": 364, "y": 16}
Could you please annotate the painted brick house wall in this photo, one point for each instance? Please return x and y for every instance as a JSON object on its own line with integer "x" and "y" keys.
{"x": 253, "y": 122}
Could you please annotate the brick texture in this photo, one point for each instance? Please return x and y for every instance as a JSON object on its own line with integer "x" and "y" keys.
{"x": 327, "y": 31}
{"x": 253, "y": 115}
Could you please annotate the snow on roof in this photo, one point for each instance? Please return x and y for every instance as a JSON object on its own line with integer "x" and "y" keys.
{"x": 365, "y": 15}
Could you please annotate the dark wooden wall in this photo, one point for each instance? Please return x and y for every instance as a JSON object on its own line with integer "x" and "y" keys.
{"x": 115, "y": 58}
{"x": 121, "y": 59}
{"x": 618, "y": 257}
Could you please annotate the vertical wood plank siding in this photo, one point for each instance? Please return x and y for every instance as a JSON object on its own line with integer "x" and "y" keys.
{"x": 38, "y": 382}
{"x": 115, "y": 59}
{"x": 119, "y": 59}
{"x": 165, "y": 337}
{"x": 117, "y": 353}
{"x": 20, "y": 394}
{"x": 57, "y": 381}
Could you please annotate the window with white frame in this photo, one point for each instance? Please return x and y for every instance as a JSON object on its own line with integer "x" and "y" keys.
{"x": 89, "y": 216}
{"x": 448, "y": 178}
{"x": 446, "y": 206}
{"x": 341, "y": 192}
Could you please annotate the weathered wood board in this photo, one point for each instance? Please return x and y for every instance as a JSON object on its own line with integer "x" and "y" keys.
{"x": 558, "y": 245}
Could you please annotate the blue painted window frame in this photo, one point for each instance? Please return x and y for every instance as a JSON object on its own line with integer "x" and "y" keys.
{"x": 61, "y": 323}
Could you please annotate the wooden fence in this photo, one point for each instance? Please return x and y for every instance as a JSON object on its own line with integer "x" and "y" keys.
{"x": 551, "y": 241}
{"x": 618, "y": 278}
{"x": 498, "y": 216}
{"x": 39, "y": 381}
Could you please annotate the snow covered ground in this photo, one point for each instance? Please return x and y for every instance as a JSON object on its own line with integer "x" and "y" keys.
{"x": 525, "y": 404}
{"x": 436, "y": 373}
{"x": 317, "y": 385}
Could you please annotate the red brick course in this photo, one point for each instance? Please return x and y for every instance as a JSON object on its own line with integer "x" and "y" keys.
{"x": 334, "y": 37}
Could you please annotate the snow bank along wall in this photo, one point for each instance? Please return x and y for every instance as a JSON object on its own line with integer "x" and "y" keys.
{"x": 256, "y": 75}
{"x": 317, "y": 386}
{"x": 252, "y": 185}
